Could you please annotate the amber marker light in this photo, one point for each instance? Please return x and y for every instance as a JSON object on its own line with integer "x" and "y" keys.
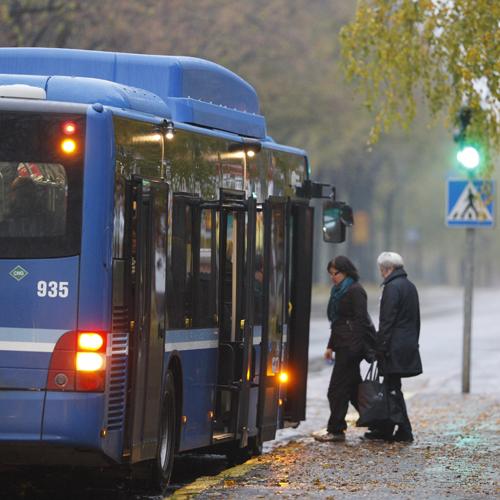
{"x": 283, "y": 376}
{"x": 89, "y": 361}
{"x": 68, "y": 146}
{"x": 90, "y": 341}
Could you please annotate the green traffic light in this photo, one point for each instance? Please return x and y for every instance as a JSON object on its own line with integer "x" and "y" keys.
{"x": 469, "y": 157}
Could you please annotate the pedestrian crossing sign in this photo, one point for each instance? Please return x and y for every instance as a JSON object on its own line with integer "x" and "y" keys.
{"x": 470, "y": 203}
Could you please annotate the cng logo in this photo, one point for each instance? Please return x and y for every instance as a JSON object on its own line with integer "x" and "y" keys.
{"x": 18, "y": 273}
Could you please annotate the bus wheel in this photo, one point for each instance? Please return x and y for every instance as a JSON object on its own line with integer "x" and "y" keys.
{"x": 163, "y": 465}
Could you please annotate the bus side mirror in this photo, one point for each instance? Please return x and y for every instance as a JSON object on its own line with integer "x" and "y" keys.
{"x": 337, "y": 215}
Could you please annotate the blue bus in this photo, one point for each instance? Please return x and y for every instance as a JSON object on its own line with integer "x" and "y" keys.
{"x": 155, "y": 262}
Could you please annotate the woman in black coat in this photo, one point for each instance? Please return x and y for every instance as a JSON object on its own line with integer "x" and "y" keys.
{"x": 398, "y": 336}
{"x": 349, "y": 319}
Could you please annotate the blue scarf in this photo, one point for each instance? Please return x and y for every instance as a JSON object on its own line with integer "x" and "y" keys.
{"x": 337, "y": 292}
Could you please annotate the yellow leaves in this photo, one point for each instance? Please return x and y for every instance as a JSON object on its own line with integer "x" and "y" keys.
{"x": 394, "y": 48}
{"x": 319, "y": 484}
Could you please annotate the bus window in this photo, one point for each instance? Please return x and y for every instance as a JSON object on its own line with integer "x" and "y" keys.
{"x": 259, "y": 270}
{"x": 229, "y": 276}
{"x": 193, "y": 267}
{"x": 276, "y": 287}
{"x": 34, "y": 200}
{"x": 180, "y": 270}
{"x": 206, "y": 285}
{"x": 40, "y": 186}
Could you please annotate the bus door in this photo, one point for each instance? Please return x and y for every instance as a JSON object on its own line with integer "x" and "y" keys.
{"x": 274, "y": 315}
{"x": 147, "y": 221}
{"x": 236, "y": 257}
{"x": 300, "y": 238}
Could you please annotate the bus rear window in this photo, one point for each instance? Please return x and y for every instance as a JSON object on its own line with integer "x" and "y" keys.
{"x": 40, "y": 184}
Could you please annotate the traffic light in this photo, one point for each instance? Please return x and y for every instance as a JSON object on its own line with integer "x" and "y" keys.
{"x": 469, "y": 157}
{"x": 468, "y": 154}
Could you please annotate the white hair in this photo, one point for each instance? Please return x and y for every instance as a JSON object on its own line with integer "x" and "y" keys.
{"x": 390, "y": 260}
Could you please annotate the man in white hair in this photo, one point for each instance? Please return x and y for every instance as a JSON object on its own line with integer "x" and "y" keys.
{"x": 397, "y": 338}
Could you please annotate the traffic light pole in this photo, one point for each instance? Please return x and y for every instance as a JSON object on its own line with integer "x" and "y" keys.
{"x": 468, "y": 288}
{"x": 468, "y": 157}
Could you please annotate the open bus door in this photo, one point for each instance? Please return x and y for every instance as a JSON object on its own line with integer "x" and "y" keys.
{"x": 300, "y": 239}
{"x": 274, "y": 315}
{"x": 247, "y": 326}
{"x": 236, "y": 276}
{"x": 147, "y": 221}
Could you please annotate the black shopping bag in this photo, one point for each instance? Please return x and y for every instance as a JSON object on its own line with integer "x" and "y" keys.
{"x": 377, "y": 406}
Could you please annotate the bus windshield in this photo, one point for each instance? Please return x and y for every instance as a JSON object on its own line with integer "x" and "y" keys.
{"x": 41, "y": 172}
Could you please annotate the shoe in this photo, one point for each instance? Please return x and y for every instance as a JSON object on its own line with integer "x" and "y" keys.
{"x": 330, "y": 437}
{"x": 378, "y": 435}
{"x": 403, "y": 437}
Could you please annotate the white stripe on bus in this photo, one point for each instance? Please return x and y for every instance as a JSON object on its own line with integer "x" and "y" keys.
{"x": 191, "y": 346}
{"x": 199, "y": 338}
{"x": 29, "y": 339}
{"x": 30, "y": 334}
{"x": 27, "y": 346}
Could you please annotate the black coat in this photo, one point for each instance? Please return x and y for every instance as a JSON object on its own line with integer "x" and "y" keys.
{"x": 353, "y": 323}
{"x": 399, "y": 326}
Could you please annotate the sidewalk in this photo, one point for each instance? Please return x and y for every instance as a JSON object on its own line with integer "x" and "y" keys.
{"x": 455, "y": 455}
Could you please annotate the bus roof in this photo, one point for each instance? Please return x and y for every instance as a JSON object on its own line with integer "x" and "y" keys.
{"x": 184, "y": 89}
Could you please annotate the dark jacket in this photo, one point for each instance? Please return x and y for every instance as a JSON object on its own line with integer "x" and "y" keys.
{"x": 399, "y": 326}
{"x": 353, "y": 322}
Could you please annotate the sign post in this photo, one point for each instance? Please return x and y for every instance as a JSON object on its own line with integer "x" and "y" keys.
{"x": 468, "y": 289}
{"x": 470, "y": 204}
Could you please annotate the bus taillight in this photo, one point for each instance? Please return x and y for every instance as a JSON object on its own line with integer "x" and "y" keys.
{"x": 91, "y": 341}
{"x": 78, "y": 362}
{"x": 90, "y": 361}
{"x": 90, "y": 381}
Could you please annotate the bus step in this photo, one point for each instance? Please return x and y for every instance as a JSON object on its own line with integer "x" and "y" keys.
{"x": 222, "y": 436}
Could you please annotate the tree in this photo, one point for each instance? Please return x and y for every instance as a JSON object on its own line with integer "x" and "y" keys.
{"x": 86, "y": 25}
{"x": 447, "y": 52}
{"x": 37, "y": 22}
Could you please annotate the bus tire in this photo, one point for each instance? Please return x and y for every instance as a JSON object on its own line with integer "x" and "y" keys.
{"x": 164, "y": 462}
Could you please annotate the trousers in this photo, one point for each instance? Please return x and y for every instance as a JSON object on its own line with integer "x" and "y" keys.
{"x": 393, "y": 383}
{"x": 343, "y": 388}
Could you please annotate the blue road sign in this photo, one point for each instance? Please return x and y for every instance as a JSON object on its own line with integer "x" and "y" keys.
{"x": 470, "y": 203}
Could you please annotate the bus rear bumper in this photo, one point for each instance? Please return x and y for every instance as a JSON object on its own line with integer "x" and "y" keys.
{"x": 50, "y": 454}
{"x": 21, "y": 415}
{"x": 73, "y": 419}
{"x": 68, "y": 433}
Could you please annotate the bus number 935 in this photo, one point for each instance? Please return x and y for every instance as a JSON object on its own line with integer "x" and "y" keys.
{"x": 52, "y": 289}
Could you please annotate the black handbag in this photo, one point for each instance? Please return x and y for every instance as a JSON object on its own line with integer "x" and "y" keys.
{"x": 377, "y": 406}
